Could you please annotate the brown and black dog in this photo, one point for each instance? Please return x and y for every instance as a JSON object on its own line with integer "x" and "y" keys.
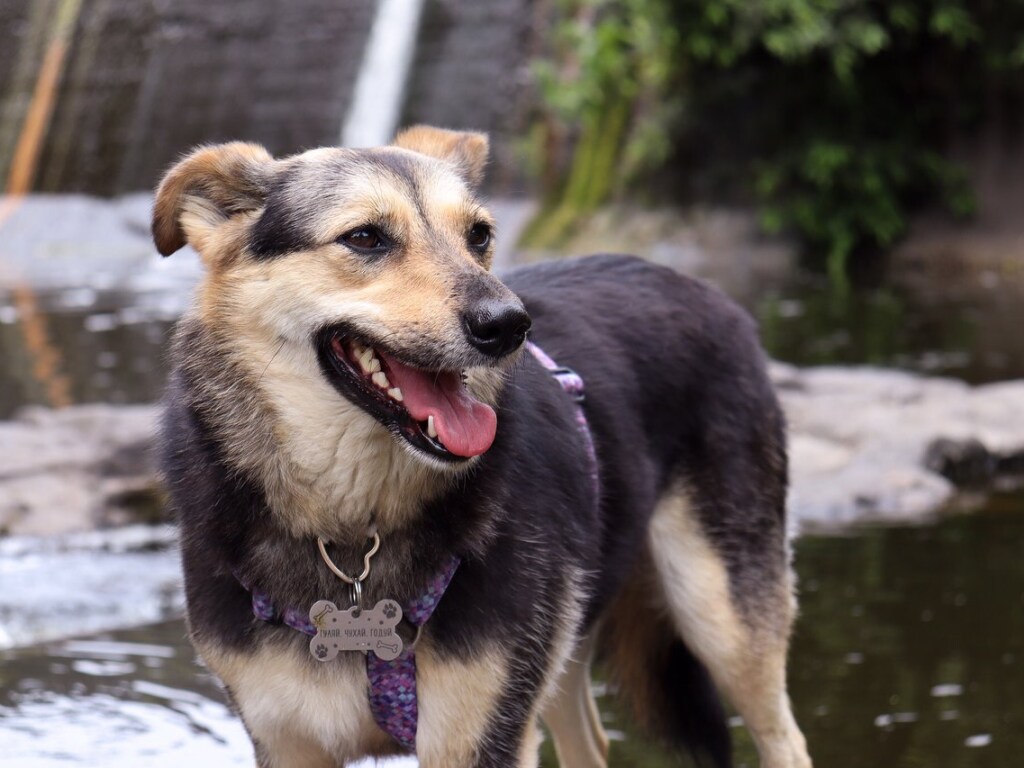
{"x": 351, "y": 366}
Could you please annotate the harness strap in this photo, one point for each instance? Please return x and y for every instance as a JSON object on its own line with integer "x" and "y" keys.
{"x": 572, "y": 383}
{"x": 393, "y": 699}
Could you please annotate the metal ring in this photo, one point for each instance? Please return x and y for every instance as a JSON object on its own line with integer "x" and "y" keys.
{"x": 322, "y": 545}
{"x": 356, "y": 593}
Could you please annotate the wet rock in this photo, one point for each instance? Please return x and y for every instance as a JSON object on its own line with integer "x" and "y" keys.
{"x": 963, "y": 462}
{"x": 874, "y": 444}
{"x": 75, "y": 469}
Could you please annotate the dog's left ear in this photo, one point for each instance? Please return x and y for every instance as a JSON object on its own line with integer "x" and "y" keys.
{"x": 465, "y": 150}
{"x": 205, "y": 189}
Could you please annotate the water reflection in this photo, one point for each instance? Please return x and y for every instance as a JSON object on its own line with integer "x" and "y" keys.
{"x": 136, "y": 698}
{"x": 968, "y": 331}
{"x": 85, "y": 303}
{"x": 909, "y": 651}
{"x": 112, "y": 355}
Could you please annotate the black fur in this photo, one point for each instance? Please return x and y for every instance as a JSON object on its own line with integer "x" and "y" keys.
{"x": 278, "y": 232}
{"x": 675, "y": 388}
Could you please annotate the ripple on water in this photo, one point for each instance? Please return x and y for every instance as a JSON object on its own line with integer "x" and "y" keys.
{"x": 126, "y": 699}
{"x": 75, "y": 584}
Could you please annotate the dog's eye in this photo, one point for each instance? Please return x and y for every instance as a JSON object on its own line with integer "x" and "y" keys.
{"x": 479, "y": 236}
{"x": 364, "y": 239}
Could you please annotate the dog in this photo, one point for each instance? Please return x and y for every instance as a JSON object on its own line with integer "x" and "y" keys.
{"x": 351, "y": 412}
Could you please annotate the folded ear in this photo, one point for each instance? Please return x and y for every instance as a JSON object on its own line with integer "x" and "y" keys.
{"x": 466, "y": 151}
{"x": 207, "y": 188}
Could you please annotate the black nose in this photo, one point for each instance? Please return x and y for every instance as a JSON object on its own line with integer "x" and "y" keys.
{"x": 496, "y": 328}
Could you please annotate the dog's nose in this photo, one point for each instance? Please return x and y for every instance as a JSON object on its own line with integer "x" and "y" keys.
{"x": 495, "y": 327}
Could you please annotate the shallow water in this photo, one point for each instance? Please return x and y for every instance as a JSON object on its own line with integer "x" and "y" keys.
{"x": 85, "y": 303}
{"x": 68, "y": 585}
{"x": 118, "y": 700}
{"x": 965, "y": 326}
{"x": 910, "y": 649}
{"x": 909, "y": 652}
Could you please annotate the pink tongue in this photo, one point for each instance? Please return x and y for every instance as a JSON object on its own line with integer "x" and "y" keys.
{"x": 465, "y": 426}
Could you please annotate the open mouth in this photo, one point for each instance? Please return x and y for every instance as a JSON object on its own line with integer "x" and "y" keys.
{"x": 432, "y": 410}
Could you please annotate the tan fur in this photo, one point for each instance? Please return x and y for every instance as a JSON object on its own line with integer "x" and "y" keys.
{"x": 328, "y": 455}
{"x": 746, "y": 661}
{"x": 572, "y": 715}
{"x": 458, "y": 698}
{"x": 466, "y": 151}
{"x": 297, "y": 709}
{"x": 213, "y": 184}
{"x": 327, "y": 468}
{"x": 529, "y": 751}
{"x": 569, "y": 616}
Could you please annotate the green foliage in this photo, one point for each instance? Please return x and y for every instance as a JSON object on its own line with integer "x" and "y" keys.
{"x": 611, "y": 62}
{"x": 835, "y": 114}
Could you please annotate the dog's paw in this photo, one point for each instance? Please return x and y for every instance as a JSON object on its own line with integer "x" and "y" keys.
{"x": 390, "y": 610}
{"x": 321, "y": 651}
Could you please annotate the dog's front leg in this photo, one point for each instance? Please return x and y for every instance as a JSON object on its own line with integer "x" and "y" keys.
{"x": 462, "y": 723}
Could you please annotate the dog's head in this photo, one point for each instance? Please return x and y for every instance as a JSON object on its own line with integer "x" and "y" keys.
{"x": 368, "y": 267}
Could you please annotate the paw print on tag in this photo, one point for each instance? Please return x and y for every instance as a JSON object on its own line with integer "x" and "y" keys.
{"x": 371, "y": 629}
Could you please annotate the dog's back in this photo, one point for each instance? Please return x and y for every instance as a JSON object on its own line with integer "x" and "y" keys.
{"x": 688, "y": 427}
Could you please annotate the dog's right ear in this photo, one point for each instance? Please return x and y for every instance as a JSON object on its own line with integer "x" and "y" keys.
{"x": 466, "y": 150}
{"x": 205, "y": 189}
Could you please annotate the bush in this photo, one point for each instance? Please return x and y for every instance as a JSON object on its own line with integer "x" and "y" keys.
{"x": 835, "y": 115}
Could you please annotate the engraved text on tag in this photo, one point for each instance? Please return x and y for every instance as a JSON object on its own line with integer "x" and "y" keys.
{"x": 371, "y": 629}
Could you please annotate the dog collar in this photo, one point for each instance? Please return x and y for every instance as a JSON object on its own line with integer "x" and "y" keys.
{"x": 393, "y": 699}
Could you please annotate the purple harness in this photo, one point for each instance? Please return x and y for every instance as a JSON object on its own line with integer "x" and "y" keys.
{"x": 393, "y": 683}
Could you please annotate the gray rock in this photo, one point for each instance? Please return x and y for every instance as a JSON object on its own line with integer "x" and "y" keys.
{"x": 872, "y": 444}
{"x": 74, "y": 469}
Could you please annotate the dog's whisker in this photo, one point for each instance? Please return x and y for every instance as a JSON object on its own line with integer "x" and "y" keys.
{"x": 271, "y": 361}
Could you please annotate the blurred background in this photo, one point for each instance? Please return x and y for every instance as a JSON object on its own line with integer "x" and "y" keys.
{"x": 851, "y": 171}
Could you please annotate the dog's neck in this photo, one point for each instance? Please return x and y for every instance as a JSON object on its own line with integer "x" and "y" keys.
{"x": 325, "y": 467}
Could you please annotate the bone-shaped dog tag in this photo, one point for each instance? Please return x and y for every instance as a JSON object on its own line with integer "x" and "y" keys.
{"x": 371, "y": 629}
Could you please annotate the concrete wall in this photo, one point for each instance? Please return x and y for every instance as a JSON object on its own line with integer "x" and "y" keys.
{"x": 144, "y": 80}
{"x": 472, "y": 71}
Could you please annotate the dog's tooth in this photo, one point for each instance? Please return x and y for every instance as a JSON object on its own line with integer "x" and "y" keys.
{"x": 395, "y": 394}
{"x": 374, "y": 364}
{"x": 381, "y": 380}
{"x": 431, "y": 429}
{"x": 365, "y": 358}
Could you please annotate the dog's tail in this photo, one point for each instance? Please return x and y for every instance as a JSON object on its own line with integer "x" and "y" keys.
{"x": 669, "y": 692}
